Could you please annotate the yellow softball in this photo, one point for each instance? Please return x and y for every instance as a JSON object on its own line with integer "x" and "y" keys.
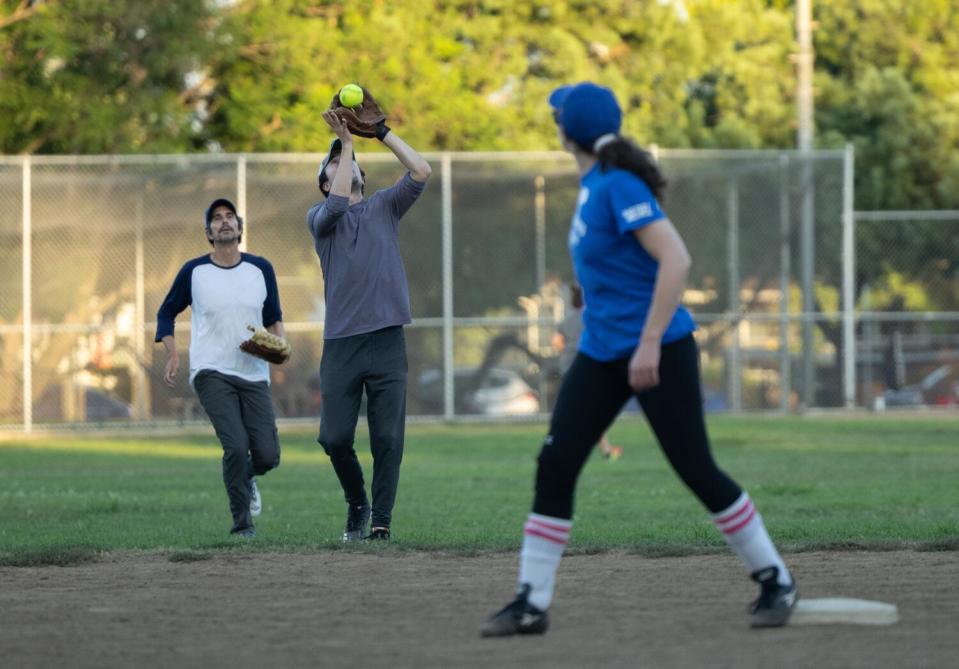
{"x": 351, "y": 95}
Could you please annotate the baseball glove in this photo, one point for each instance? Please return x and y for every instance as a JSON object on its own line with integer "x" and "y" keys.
{"x": 267, "y": 346}
{"x": 367, "y": 120}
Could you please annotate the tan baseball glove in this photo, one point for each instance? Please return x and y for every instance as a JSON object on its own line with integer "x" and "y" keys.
{"x": 267, "y": 346}
{"x": 366, "y": 120}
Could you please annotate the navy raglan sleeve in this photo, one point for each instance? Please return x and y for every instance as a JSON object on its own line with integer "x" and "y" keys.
{"x": 178, "y": 299}
{"x": 271, "y": 305}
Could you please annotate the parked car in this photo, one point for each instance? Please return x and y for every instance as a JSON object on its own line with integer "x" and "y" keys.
{"x": 500, "y": 392}
{"x": 939, "y": 387}
{"x": 99, "y": 406}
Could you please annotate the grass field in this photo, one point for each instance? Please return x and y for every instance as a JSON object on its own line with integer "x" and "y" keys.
{"x": 877, "y": 483}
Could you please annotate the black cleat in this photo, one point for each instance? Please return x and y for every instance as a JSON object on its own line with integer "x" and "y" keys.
{"x": 357, "y": 518}
{"x": 518, "y": 617}
{"x": 379, "y": 534}
{"x": 776, "y": 602}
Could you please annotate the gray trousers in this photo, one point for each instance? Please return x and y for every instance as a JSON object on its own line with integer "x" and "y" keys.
{"x": 242, "y": 415}
{"x": 375, "y": 362}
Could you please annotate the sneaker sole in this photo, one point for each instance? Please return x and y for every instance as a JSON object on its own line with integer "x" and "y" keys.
{"x": 775, "y": 617}
{"x": 770, "y": 620}
{"x": 491, "y": 629}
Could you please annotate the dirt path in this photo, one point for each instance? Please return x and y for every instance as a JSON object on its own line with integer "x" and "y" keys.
{"x": 397, "y": 609}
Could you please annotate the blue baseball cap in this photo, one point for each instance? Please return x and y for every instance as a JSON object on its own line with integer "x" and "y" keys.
{"x": 586, "y": 112}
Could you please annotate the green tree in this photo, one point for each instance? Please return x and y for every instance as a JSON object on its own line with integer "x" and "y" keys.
{"x": 85, "y": 76}
{"x": 460, "y": 75}
{"x": 887, "y": 74}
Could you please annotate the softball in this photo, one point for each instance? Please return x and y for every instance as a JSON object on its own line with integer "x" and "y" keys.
{"x": 351, "y": 95}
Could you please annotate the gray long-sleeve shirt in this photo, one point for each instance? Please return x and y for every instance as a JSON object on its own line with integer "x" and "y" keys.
{"x": 358, "y": 246}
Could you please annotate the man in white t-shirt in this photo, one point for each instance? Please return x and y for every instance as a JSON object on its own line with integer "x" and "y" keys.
{"x": 227, "y": 291}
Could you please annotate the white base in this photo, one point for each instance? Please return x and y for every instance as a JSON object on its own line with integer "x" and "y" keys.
{"x": 841, "y": 610}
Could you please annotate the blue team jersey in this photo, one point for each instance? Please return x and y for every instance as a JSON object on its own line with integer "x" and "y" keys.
{"x": 615, "y": 271}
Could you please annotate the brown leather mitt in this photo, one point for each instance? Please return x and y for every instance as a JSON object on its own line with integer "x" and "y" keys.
{"x": 267, "y": 346}
{"x": 366, "y": 120}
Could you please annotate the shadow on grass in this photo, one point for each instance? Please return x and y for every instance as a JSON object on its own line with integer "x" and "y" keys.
{"x": 933, "y": 545}
{"x": 673, "y": 550}
{"x": 54, "y": 556}
{"x": 189, "y": 556}
{"x": 939, "y": 545}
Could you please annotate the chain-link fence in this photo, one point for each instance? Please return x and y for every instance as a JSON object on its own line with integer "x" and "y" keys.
{"x": 99, "y": 239}
{"x": 907, "y": 286}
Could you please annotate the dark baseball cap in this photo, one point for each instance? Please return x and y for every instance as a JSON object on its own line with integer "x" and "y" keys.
{"x": 586, "y": 111}
{"x": 219, "y": 202}
{"x": 336, "y": 147}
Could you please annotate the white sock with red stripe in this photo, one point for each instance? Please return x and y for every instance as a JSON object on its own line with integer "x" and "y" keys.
{"x": 744, "y": 531}
{"x": 544, "y": 539}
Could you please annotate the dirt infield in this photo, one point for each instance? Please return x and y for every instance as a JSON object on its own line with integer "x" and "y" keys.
{"x": 392, "y": 608}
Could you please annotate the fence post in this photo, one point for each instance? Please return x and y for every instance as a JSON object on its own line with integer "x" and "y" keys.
{"x": 27, "y": 279}
{"x": 870, "y": 336}
{"x": 785, "y": 362}
{"x": 141, "y": 392}
{"x": 241, "y": 200}
{"x": 449, "y": 399}
{"x": 807, "y": 251}
{"x": 539, "y": 208}
{"x": 848, "y": 280}
{"x": 734, "y": 369}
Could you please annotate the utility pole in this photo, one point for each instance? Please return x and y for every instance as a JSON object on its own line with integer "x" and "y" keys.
{"x": 804, "y": 140}
{"x": 804, "y": 61}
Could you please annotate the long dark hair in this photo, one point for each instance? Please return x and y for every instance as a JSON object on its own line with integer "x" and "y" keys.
{"x": 627, "y": 155}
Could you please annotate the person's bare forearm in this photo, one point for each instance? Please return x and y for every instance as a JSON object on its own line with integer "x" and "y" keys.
{"x": 343, "y": 180}
{"x": 172, "y": 361}
{"x": 419, "y": 169}
{"x": 169, "y": 343}
{"x": 278, "y": 329}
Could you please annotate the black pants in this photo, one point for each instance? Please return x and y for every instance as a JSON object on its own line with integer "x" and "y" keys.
{"x": 591, "y": 396}
{"x": 376, "y": 362}
{"x": 242, "y": 415}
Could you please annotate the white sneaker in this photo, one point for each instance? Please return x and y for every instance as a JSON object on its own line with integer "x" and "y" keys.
{"x": 256, "y": 504}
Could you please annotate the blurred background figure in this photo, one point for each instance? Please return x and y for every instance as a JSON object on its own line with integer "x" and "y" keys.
{"x": 566, "y": 341}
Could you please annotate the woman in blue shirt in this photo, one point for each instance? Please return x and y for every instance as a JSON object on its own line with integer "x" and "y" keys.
{"x": 637, "y": 340}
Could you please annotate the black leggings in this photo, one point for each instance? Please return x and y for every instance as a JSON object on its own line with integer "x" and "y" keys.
{"x": 591, "y": 396}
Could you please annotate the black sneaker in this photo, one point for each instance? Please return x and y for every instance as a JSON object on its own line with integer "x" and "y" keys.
{"x": 776, "y": 602}
{"x": 379, "y": 534}
{"x": 357, "y": 518}
{"x": 245, "y": 532}
{"x": 517, "y": 617}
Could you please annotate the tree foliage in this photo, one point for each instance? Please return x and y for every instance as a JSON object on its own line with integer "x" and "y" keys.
{"x": 91, "y": 76}
{"x": 84, "y": 76}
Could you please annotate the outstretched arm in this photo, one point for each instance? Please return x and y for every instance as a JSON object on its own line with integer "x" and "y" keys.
{"x": 419, "y": 169}
{"x": 343, "y": 179}
{"x": 322, "y": 217}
